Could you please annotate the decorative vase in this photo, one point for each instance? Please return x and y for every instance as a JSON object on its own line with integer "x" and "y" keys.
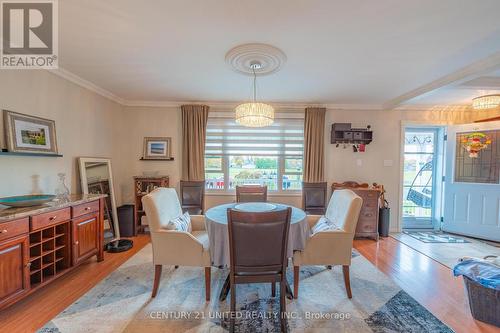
{"x": 62, "y": 191}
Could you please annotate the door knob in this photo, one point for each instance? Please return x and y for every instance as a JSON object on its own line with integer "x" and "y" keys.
{"x": 4, "y": 231}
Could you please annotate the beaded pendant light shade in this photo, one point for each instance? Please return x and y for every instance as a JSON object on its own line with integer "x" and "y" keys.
{"x": 486, "y": 102}
{"x": 254, "y": 114}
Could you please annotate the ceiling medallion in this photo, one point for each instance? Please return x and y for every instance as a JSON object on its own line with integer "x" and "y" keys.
{"x": 486, "y": 102}
{"x": 241, "y": 57}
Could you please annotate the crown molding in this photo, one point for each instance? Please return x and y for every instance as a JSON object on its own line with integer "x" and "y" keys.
{"x": 229, "y": 105}
{"x": 86, "y": 84}
{"x": 468, "y": 72}
{"x": 435, "y": 107}
{"x": 221, "y": 105}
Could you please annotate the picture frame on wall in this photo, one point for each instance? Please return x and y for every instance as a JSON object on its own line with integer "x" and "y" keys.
{"x": 157, "y": 148}
{"x": 29, "y": 134}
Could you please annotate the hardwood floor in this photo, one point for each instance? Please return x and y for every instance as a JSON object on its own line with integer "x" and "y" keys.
{"x": 36, "y": 310}
{"x": 430, "y": 283}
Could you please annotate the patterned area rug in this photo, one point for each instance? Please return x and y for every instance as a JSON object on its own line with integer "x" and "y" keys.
{"x": 435, "y": 237}
{"x": 122, "y": 303}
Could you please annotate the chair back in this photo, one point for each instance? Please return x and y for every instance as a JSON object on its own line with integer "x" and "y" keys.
{"x": 192, "y": 196}
{"x": 251, "y": 193}
{"x": 314, "y": 197}
{"x": 258, "y": 241}
{"x": 343, "y": 209}
{"x": 161, "y": 206}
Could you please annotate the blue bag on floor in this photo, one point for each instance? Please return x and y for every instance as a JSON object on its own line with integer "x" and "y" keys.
{"x": 483, "y": 272}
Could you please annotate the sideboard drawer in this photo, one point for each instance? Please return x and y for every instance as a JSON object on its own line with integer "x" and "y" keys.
{"x": 86, "y": 208}
{"x": 368, "y": 213}
{"x": 47, "y": 219}
{"x": 14, "y": 228}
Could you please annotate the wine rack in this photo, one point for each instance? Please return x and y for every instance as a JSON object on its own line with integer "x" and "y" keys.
{"x": 50, "y": 253}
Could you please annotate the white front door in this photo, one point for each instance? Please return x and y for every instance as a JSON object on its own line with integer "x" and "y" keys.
{"x": 472, "y": 181}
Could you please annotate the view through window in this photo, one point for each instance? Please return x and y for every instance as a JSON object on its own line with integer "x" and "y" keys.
{"x": 419, "y": 166}
{"x": 237, "y": 155}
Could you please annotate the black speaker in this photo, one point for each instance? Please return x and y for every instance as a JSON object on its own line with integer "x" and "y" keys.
{"x": 126, "y": 220}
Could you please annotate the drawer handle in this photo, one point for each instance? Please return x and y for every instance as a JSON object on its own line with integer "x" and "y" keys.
{"x": 52, "y": 218}
{"x": 4, "y": 231}
{"x": 88, "y": 208}
{"x": 76, "y": 243}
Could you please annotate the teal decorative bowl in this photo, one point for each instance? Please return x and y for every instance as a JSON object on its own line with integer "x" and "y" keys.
{"x": 27, "y": 200}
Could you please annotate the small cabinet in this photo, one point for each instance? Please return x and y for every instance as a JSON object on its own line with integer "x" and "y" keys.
{"x": 14, "y": 269}
{"x": 85, "y": 237}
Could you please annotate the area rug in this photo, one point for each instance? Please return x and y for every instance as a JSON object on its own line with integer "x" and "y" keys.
{"x": 448, "y": 254}
{"x": 435, "y": 237}
{"x": 122, "y": 303}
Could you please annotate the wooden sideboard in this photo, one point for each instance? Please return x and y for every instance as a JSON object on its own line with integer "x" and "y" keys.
{"x": 368, "y": 217}
{"x": 39, "y": 244}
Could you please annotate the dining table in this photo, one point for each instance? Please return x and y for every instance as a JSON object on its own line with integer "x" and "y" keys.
{"x": 218, "y": 234}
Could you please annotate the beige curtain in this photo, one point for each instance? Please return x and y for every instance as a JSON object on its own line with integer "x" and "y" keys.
{"x": 194, "y": 126}
{"x": 314, "y": 145}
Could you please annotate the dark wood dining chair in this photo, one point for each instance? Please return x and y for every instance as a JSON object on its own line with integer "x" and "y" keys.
{"x": 314, "y": 198}
{"x": 192, "y": 196}
{"x": 251, "y": 193}
{"x": 258, "y": 251}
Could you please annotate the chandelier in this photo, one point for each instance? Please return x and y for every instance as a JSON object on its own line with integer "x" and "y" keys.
{"x": 486, "y": 102}
{"x": 254, "y": 114}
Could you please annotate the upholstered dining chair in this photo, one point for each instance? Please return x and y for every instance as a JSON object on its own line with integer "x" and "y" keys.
{"x": 251, "y": 193}
{"x": 314, "y": 197}
{"x": 334, "y": 245}
{"x": 173, "y": 247}
{"x": 192, "y": 196}
{"x": 258, "y": 250}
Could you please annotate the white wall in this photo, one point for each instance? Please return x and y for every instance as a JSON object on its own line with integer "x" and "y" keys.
{"x": 84, "y": 126}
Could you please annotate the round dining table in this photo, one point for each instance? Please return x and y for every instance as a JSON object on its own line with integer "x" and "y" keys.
{"x": 218, "y": 234}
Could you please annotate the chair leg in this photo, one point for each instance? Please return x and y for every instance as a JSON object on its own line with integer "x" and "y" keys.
{"x": 296, "y": 270}
{"x": 156, "y": 283}
{"x": 329, "y": 267}
{"x": 176, "y": 266}
{"x": 208, "y": 274}
{"x": 283, "y": 305}
{"x": 273, "y": 289}
{"x": 233, "y": 306}
{"x": 347, "y": 280}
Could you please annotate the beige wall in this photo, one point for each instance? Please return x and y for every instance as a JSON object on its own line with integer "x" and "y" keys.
{"x": 91, "y": 125}
{"x": 84, "y": 124}
{"x": 133, "y": 124}
{"x": 342, "y": 164}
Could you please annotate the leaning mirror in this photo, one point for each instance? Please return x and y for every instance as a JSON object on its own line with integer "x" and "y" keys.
{"x": 96, "y": 178}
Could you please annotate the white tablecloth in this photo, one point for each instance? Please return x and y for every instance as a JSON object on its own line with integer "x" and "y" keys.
{"x": 216, "y": 220}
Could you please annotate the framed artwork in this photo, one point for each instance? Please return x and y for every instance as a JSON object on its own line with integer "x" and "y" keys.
{"x": 29, "y": 134}
{"x": 157, "y": 148}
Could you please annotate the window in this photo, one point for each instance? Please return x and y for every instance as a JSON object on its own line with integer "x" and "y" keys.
{"x": 238, "y": 155}
{"x": 419, "y": 177}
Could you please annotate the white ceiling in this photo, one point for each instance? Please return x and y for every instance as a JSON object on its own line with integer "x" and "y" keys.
{"x": 342, "y": 52}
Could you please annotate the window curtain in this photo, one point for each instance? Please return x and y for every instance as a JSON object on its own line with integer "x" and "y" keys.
{"x": 314, "y": 145}
{"x": 194, "y": 127}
